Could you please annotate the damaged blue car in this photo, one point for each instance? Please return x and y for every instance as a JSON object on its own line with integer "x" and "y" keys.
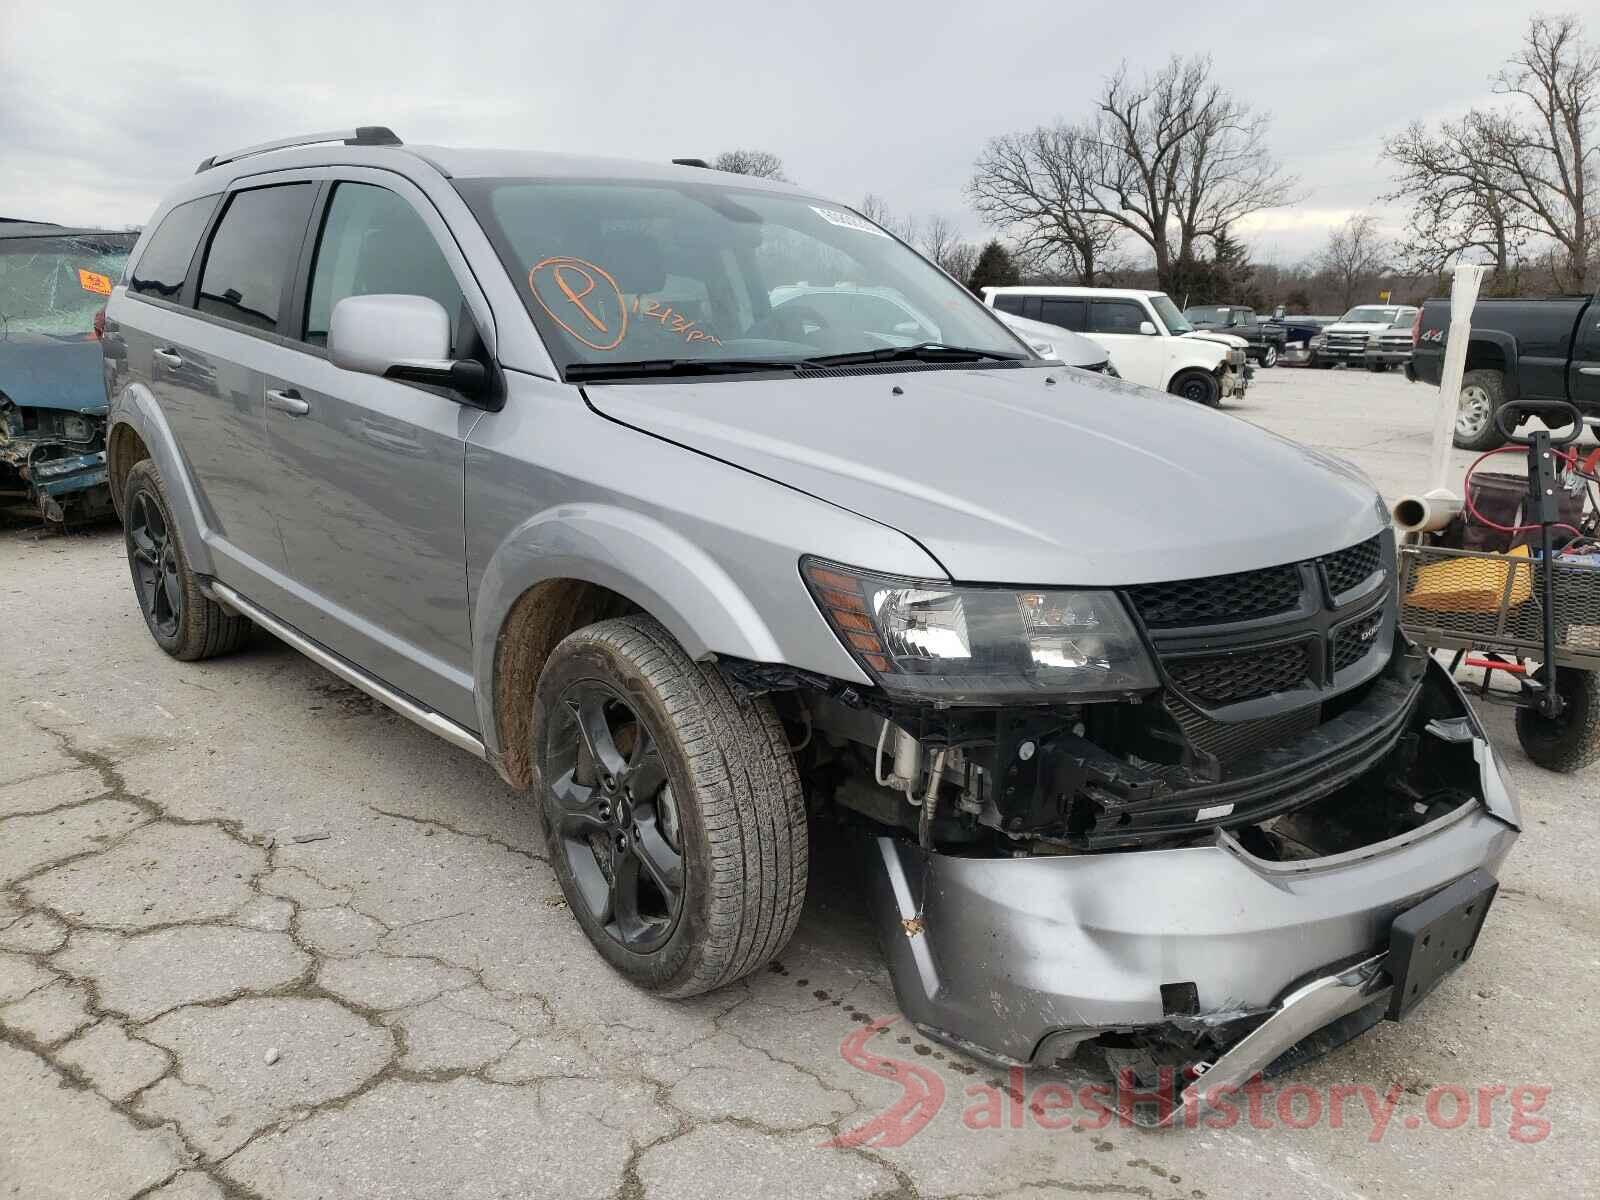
{"x": 54, "y": 283}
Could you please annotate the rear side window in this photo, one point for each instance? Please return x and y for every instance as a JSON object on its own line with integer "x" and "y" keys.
{"x": 1010, "y": 302}
{"x": 253, "y": 254}
{"x": 1068, "y": 314}
{"x": 1116, "y": 316}
{"x": 374, "y": 243}
{"x": 164, "y": 265}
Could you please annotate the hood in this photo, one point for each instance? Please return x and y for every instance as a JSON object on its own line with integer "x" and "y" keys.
{"x": 1006, "y": 477}
{"x": 1359, "y": 327}
{"x": 1073, "y": 348}
{"x": 40, "y": 371}
{"x": 1231, "y": 340}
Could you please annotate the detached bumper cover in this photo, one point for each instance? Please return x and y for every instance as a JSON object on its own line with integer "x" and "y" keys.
{"x": 1015, "y": 959}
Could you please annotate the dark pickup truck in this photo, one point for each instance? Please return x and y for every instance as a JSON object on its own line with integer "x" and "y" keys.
{"x": 1266, "y": 340}
{"x": 1545, "y": 349}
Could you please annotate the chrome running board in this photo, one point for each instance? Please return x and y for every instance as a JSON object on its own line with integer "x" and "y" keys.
{"x": 456, "y": 735}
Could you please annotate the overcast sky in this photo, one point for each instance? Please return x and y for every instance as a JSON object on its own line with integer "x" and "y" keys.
{"x": 99, "y": 115}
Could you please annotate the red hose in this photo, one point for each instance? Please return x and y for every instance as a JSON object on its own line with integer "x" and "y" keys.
{"x": 1569, "y": 456}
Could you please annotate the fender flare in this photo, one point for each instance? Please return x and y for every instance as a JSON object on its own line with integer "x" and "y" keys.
{"x": 136, "y": 407}
{"x": 620, "y": 549}
{"x": 1507, "y": 345}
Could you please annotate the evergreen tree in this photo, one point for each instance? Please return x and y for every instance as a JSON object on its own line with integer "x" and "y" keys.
{"x": 995, "y": 268}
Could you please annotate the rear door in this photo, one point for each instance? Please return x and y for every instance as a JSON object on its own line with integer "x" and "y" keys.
{"x": 206, "y": 354}
{"x": 368, "y": 472}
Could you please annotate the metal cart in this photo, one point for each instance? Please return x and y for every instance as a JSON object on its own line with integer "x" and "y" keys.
{"x": 1507, "y": 613}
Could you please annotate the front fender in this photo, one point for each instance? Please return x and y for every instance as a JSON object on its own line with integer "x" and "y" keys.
{"x": 1204, "y": 356}
{"x": 636, "y": 556}
{"x": 135, "y": 406}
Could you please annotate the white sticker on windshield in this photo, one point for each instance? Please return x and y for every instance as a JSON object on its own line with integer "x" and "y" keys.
{"x": 847, "y": 220}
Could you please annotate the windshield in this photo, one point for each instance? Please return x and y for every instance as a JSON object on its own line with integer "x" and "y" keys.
{"x": 638, "y": 272}
{"x": 1170, "y": 316}
{"x": 55, "y": 285}
{"x": 1208, "y": 314}
{"x": 1371, "y": 314}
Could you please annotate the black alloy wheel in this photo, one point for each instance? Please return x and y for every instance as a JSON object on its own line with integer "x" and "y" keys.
{"x": 153, "y": 555}
{"x": 615, "y": 816}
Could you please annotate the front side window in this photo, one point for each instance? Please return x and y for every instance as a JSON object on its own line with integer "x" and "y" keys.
{"x": 1116, "y": 316}
{"x": 55, "y": 285}
{"x": 1011, "y": 302}
{"x": 253, "y": 254}
{"x": 625, "y": 272}
{"x": 164, "y": 265}
{"x": 374, "y": 243}
{"x": 1170, "y": 316}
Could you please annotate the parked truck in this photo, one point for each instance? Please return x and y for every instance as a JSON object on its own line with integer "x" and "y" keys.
{"x": 1525, "y": 349}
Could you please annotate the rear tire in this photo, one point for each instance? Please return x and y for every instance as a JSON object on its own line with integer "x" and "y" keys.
{"x": 1200, "y": 386}
{"x": 1571, "y": 741}
{"x": 1482, "y": 394}
{"x": 673, "y": 810}
{"x": 1377, "y": 368}
{"x": 184, "y": 622}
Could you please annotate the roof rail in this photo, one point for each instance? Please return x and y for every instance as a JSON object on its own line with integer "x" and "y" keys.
{"x": 361, "y": 135}
{"x": 692, "y": 162}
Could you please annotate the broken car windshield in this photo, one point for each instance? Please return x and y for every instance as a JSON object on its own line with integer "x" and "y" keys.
{"x": 54, "y": 285}
{"x": 629, "y": 272}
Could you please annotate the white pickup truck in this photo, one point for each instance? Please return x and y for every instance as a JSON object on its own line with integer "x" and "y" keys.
{"x": 1145, "y": 332}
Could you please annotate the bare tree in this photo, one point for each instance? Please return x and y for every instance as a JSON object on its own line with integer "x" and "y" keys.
{"x": 1171, "y": 159}
{"x": 1355, "y": 254}
{"x": 1040, "y": 186}
{"x": 761, "y": 163}
{"x": 876, "y": 209}
{"x": 941, "y": 241}
{"x": 1553, "y": 159}
{"x": 1460, "y": 199}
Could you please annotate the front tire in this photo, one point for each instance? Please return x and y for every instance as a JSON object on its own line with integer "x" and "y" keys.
{"x": 1270, "y": 357}
{"x": 184, "y": 622}
{"x": 1482, "y": 394}
{"x": 1200, "y": 386}
{"x": 1571, "y": 741}
{"x": 673, "y": 811}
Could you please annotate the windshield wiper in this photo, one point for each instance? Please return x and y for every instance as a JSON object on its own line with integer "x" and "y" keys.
{"x": 651, "y": 367}
{"x": 922, "y": 352}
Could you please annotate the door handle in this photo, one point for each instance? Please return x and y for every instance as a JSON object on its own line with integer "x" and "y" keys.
{"x": 1589, "y": 370}
{"x": 287, "y": 401}
{"x": 168, "y": 358}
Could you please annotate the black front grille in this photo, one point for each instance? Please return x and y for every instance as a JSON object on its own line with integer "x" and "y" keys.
{"x": 1246, "y": 675}
{"x": 1218, "y": 598}
{"x": 1354, "y": 566}
{"x": 1352, "y": 643}
{"x": 1228, "y": 740}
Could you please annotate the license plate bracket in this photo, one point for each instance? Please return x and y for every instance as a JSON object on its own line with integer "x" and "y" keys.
{"x": 1432, "y": 939}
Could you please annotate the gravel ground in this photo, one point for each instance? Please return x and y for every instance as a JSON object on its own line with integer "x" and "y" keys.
{"x": 261, "y": 938}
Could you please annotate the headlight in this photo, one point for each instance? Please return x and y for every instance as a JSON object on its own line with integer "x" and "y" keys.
{"x": 1319, "y": 341}
{"x": 76, "y": 429}
{"x": 973, "y": 645}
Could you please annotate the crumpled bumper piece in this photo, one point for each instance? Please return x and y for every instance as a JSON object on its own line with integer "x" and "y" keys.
{"x": 1015, "y": 960}
{"x": 60, "y": 477}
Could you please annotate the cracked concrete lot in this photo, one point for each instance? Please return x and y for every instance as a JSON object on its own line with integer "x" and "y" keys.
{"x": 195, "y": 1004}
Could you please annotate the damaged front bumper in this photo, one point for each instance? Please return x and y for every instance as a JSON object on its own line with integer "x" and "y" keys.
{"x": 1020, "y": 960}
{"x": 66, "y": 481}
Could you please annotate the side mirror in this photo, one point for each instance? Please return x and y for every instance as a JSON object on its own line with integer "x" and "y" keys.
{"x": 1148, "y": 328}
{"x": 400, "y": 337}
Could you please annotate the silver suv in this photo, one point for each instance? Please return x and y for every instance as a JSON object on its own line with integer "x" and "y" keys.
{"x": 565, "y": 460}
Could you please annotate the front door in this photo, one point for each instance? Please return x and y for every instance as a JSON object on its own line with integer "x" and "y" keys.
{"x": 1141, "y": 357}
{"x": 371, "y": 470}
